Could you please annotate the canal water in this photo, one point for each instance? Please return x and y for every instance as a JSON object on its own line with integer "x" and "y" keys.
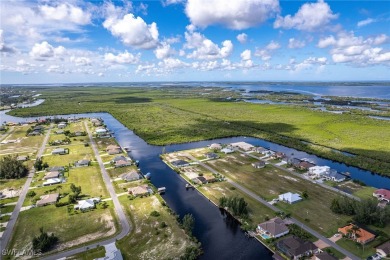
{"x": 220, "y": 236}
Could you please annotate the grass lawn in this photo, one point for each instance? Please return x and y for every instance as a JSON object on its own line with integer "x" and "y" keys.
{"x": 7, "y": 209}
{"x": 365, "y": 192}
{"x": 19, "y": 133}
{"x": 9, "y": 200}
{"x": 356, "y": 248}
{"x": 5, "y": 218}
{"x": 12, "y": 183}
{"x": 269, "y": 182}
{"x": 334, "y": 252}
{"x": 94, "y": 253}
{"x": 90, "y": 179}
{"x": 148, "y": 239}
{"x": 72, "y": 230}
{"x": 76, "y": 152}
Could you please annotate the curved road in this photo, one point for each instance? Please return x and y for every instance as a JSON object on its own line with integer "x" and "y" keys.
{"x": 126, "y": 228}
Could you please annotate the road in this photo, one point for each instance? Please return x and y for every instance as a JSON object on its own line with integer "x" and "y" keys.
{"x": 264, "y": 202}
{"x": 125, "y": 226}
{"x": 15, "y": 213}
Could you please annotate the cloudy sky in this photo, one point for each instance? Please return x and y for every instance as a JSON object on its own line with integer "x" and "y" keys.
{"x": 178, "y": 40}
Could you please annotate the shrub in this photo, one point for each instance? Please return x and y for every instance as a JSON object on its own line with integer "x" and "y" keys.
{"x": 155, "y": 213}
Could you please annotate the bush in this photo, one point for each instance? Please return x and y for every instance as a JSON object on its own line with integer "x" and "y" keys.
{"x": 163, "y": 224}
{"x": 10, "y": 168}
{"x": 155, "y": 213}
{"x": 44, "y": 242}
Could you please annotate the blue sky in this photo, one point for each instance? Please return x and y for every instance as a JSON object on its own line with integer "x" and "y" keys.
{"x": 177, "y": 40}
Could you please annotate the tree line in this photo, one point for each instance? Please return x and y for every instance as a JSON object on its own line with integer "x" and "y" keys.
{"x": 238, "y": 206}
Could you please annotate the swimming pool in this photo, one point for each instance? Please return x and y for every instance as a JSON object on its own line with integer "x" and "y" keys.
{"x": 265, "y": 236}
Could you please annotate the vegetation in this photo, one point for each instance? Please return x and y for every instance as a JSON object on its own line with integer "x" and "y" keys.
{"x": 44, "y": 242}
{"x": 365, "y": 211}
{"x": 193, "y": 117}
{"x": 238, "y": 206}
{"x": 39, "y": 165}
{"x": 188, "y": 223}
{"x": 11, "y": 168}
{"x": 76, "y": 191}
{"x": 299, "y": 232}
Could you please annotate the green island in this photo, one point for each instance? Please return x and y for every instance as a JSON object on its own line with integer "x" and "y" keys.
{"x": 170, "y": 115}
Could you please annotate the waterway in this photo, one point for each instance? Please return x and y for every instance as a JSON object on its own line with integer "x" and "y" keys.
{"x": 220, "y": 236}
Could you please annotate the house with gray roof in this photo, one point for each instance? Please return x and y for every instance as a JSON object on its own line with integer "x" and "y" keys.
{"x": 130, "y": 176}
{"x": 82, "y": 163}
{"x": 47, "y": 199}
{"x": 273, "y": 228}
{"x": 296, "y": 248}
{"x": 60, "y": 151}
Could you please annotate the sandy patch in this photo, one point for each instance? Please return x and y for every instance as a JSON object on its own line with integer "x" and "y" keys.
{"x": 321, "y": 244}
{"x": 289, "y": 178}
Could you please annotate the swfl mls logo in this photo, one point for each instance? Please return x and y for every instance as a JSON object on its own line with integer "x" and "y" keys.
{"x": 16, "y": 252}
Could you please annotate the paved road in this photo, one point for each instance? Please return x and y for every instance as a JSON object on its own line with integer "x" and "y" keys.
{"x": 125, "y": 226}
{"x": 11, "y": 223}
{"x": 256, "y": 197}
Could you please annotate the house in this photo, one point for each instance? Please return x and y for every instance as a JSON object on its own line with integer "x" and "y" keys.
{"x": 51, "y": 175}
{"x": 61, "y": 125}
{"x": 273, "y": 228}
{"x": 60, "y": 132}
{"x": 294, "y": 162}
{"x": 304, "y": 165}
{"x": 39, "y": 128}
{"x": 47, "y": 199}
{"x": 384, "y": 249}
{"x": 382, "y": 195}
{"x": 112, "y": 147}
{"x": 215, "y": 146}
{"x": 130, "y": 176}
{"x": 227, "y": 150}
{"x": 22, "y": 158}
{"x": 87, "y": 204}
{"x": 140, "y": 190}
{"x": 279, "y": 155}
{"x": 290, "y": 198}
{"x": 114, "y": 151}
{"x": 52, "y": 181}
{"x": 210, "y": 179}
{"x": 34, "y": 133}
{"x": 122, "y": 163}
{"x": 56, "y": 169}
{"x": 59, "y": 151}
{"x": 260, "y": 149}
{"x": 118, "y": 158}
{"x": 211, "y": 155}
{"x": 333, "y": 175}
{"x": 179, "y": 163}
{"x": 318, "y": 171}
{"x": 295, "y": 247}
{"x": 82, "y": 163}
{"x": 199, "y": 180}
{"x": 360, "y": 235}
{"x": 96, "y": 122}
{"x": 79, "y": 133}
{"x": 325, "y": 256}
{"x": 101, "y": 131}
{"x": 259, "y": 164}
{"x": 243, "y": 146}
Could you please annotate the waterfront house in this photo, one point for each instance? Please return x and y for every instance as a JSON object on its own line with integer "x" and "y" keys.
{"x": 382, "y": 195}
{"x": 122, "y": 163}
{"x": 210, "y": 178}
{"x": 179, "y": 163}
{"x": 60, "y": 151}
{"x": 318, "y": 171}
{"x": 22, "y": 158}
{"x": 96, "y": 122}
{"x": 304, "y": 165}
{"x": 112, "y": 147}
{"x": 324, "y": 256}
{"x": 114, "y": 151}
{"x": 140, "y": 190}
{"x": 243, "y": 146}
{"x": 199, "y": 180}
{"x": 130, "y": 176}
{"x": 290, "y": 198}
{"x": 118, "y": 158}
{"x": 259, "y": 164}
{"x": 87, "y": 204}
{"x": 101, "y": 131}
{"x": 384, "y": 249}
{"x": 211, "y": 155}
{"x": 82, "y": 163}
{"x": 61, "y": 125}
{"x": 215, "y": 146}
{"x": 47, "y": 199}
{"x": 279, "y": 155}
{"x": 227, "y": 150}
{"x": 273, "y": 228}
{"x": 333, "y": 175}
{"x": 51, "y": 175}
{"x": 296, "y": 248}
{"x": 260, "y": 149}
{"x": 360, "y": 235}
{"x": 52, "y": 181}
{"x": 294, "y": 162}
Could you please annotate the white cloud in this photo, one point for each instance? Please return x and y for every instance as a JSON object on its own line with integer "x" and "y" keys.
{"x": 348, "y": 48}
{"x": 81, "y": 61}
{"x": 3, "y": 46}
{"x": 365, "y": 22}
{"x": 246, "y": 55}
{"x": 122, "y": 58}
{"x": 163, "y": 51}
{"x": 237, "y": 14}
{"x": 295, "y": 44}
{"x": 171, "y": 64}
{"x": 44, "y": 51}
{"x": 242, "y": 37}
{"x": 266, "y": 53}
{"x": 173, "y": 2}
{"x": 67, "y": 12}
{"x": 310, "y": 16}
{"x": 132, "y": 31}
{"x": 205, "y": 48}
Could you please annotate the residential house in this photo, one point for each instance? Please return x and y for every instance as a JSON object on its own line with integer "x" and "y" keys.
{"x": 56, "y": 169}
{"x": 130, "y": 176}
{"x": 384, "y": 249}
{"x": 318, "y": 171}
{"x": 47, "y": 199}
{"x": 79, "y": 133}
{"x": 118, "y": 158}
{"x": 215, "y": 146}
{"x": 295, "y": 247}
{"x": 199, "y": 180}
{"x": 22, "y": 158}
{"x": 114, "y": 151}
{"x": 60, "y": 132}
{"x": 361, "y": 235}
{"x": 210, "y": 178}
{"x": 325, "y": 256}
{"x": 273, "y": 228}
{"x": 382, "y": 195}
{"x": 211, "y": 155}
{"x": 294, "y": 162}
{"x": 259, "y": 164}
{"x": 52, "y": 181}
{"x": 39, "y": 128}
{"x": 51, "y": 175}
{"x": 59, "y": 151}
{"x": 279, "y": 155}
{"x": 227, "y": 150}
{"x": 333, "y": 175}
{"x": 34, "y": 133}
{"x": 122, "y": 163}
{"x": 140, "y": 190}
{"x": 290, "y": 198}
{"x": 82, "y": 163}
{"x": 87, "y": 204}
{"x": 243, "y": 146}
{"x": 304, "y": 165}
{"x": 179, "y": 163}
{"x": 61, "y": 125}
{"x": 112, "y": 147}
{"x": 101, "y": 131}
{"x": 96, "y": 122}
{"x": 260, "y": 149}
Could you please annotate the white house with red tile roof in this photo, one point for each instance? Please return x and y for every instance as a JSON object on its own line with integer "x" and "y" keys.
{"x": 382, "y": 194}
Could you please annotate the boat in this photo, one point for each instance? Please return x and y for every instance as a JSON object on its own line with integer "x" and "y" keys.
{"x": 136, "y": 162}
{"x": 127, "y": 149}
{"x": 148, "y": 175}
{"x": 161, "y": 190}
{"x": 189, "y": 186}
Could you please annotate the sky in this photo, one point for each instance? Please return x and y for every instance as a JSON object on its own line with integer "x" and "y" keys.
{"x": 71, "y": 41}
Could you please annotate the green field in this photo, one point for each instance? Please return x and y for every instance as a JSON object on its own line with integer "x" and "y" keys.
{"x": 174, "y": 115}
{"x": 76, "y": 152}
{"x": 94, "y": 253}
{"x": 148, "y": 240}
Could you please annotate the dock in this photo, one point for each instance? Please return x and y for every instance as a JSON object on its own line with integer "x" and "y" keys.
{"x": 161, "y": 190}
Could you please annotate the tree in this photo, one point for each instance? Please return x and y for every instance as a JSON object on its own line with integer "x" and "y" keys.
{"x": 188, "y": 223}
{"x": 305, "y": 195}
{"x": 43, "y": 242}
{"x": 38, "y": 165}
{"x": 31, "y": 193}
{"x": 11, "y": 168}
